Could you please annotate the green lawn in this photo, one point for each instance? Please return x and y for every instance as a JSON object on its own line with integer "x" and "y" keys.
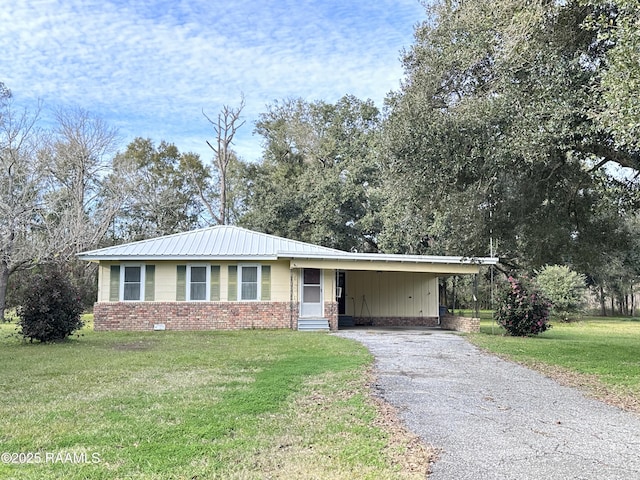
{"x": 600, "y": 348}
{"x": 187, "y": 405}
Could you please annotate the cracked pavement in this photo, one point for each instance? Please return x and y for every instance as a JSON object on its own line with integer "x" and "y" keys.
{"x": 493, "y": 419}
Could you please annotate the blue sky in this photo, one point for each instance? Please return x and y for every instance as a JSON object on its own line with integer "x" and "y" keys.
{"x": 150, "y": 67}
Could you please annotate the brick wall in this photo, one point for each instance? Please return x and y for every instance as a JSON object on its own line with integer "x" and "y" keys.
{"x": 448, "y": 322}
{"x": 142, "y": 316}
{"x": 331, "y": 314}
{"x": 460, "y": 324}
{"x": 397, "y": 321}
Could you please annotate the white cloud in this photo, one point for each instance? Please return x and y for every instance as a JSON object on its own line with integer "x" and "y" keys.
{"x": 150, "y": 67}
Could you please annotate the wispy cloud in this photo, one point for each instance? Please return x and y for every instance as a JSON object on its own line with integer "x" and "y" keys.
{"x": 150, "y": 67}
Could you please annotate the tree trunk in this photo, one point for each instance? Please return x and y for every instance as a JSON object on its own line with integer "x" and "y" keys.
{"x": 613, "y": 305}
{"x": 603, "y": 306}
{"x": 4, "y": 281}
{"x": 223, "y": 195}
{"x": 626, "y": 304}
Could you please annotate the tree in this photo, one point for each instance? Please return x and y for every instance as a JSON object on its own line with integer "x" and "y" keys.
{"x": 77, "y": 159}
{"x": 50, "y": 309}
{"x": 615, "y": 279}
{"x": 564, "y": 288}
{"x": 79, "y": 204}
{"x": 225, "y": 128}
{"x": 160, "y": 196}
{"x": 319, "y": 180}
{"x": 616, "y": 25}
{"x": 20, "y": 184}
{"x": 493, "y": 133}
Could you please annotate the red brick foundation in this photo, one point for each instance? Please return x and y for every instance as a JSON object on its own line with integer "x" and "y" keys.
{"x": 447, "y": 322}
{"x": 142, "y": 316}
{"x": 397, "y": 321}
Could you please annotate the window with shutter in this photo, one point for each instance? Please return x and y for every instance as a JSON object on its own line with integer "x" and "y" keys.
{"x": 197, "y": 282}
{"x": 132, "y": 282}
{"x": 249, "y": 282}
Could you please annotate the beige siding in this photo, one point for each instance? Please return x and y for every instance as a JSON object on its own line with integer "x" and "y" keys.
{"x": 329, "y": 285}
{"x": 166, "y": 277}
{"x": 368, "y": 294}
{"x": 281, "y": 281}
{"x": 104, "y": 272}
{"x": 391, "y": 294}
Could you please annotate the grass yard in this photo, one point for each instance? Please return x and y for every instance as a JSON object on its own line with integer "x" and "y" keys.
{"x": 194, "y": 405}
{"x": 599, "y": 354}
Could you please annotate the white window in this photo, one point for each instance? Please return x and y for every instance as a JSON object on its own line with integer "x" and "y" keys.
{"x": 249, "y": 282}
{"x": 198, "y": 281}
{"x": 132, "y": 283}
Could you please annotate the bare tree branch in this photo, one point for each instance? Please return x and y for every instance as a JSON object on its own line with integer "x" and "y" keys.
{"x": 225, "y": 129}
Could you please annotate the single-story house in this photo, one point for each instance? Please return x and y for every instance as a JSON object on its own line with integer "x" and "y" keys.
{"x": 226, "y": 277}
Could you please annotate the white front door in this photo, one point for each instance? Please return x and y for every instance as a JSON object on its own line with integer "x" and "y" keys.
{"x": 311, "y": 304}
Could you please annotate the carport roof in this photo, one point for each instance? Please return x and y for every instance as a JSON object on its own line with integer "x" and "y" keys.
{"x": 225, "y": 242}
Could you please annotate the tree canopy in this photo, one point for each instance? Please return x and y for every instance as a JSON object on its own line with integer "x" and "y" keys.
{"x": 497, "y": 126}
{"x": 317, "y": 180}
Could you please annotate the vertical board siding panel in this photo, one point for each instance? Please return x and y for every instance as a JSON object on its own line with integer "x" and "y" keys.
{"x": 114, "y": 283}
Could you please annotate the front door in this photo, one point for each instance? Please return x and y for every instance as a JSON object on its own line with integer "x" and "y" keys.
{"x": 311, "y": 305}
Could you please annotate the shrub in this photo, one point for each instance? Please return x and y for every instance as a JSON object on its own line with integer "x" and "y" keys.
{"x": 50, "y": 308}
{"x": 565, "y": 290}
{"x": 522, "y": 310}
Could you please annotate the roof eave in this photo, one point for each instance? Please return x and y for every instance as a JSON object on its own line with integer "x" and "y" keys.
{"x": 177, "y": 258}
{"x": 391, "y": 258}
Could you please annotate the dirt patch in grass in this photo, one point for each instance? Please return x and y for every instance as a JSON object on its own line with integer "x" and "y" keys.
{"x": 374, "y": 444}
{"x": 136, "y": 346}
{"x": 408, "y": 451}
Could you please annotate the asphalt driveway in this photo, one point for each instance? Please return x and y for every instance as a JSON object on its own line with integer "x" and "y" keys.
{"x": 493, "y": 419}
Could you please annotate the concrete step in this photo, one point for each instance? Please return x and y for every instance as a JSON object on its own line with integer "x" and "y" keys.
{"x": 313, "y": 324}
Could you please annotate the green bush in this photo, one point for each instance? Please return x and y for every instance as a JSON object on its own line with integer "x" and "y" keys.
{"x": 565, "y": 290}
{"x": 522, "y": 310}
{"x": 50, "y": 307}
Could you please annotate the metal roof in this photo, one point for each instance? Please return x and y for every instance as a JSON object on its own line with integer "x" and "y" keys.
{"x": 226, "y": 242}
{"x": 218, "y": 242}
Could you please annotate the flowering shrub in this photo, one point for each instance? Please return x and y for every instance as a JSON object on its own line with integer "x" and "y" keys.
{"x": 522, "y": 310}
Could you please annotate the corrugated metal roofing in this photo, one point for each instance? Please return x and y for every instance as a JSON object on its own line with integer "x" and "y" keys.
{"x": 223, "y": 241}
{"x": 230, "y": 242}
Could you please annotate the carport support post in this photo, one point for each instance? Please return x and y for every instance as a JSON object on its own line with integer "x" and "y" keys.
{"x": 453, "y": 305}
{"x": 476, "y": 305}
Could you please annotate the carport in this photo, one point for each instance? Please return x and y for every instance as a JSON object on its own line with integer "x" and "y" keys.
{"x": 386, "y": 290}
